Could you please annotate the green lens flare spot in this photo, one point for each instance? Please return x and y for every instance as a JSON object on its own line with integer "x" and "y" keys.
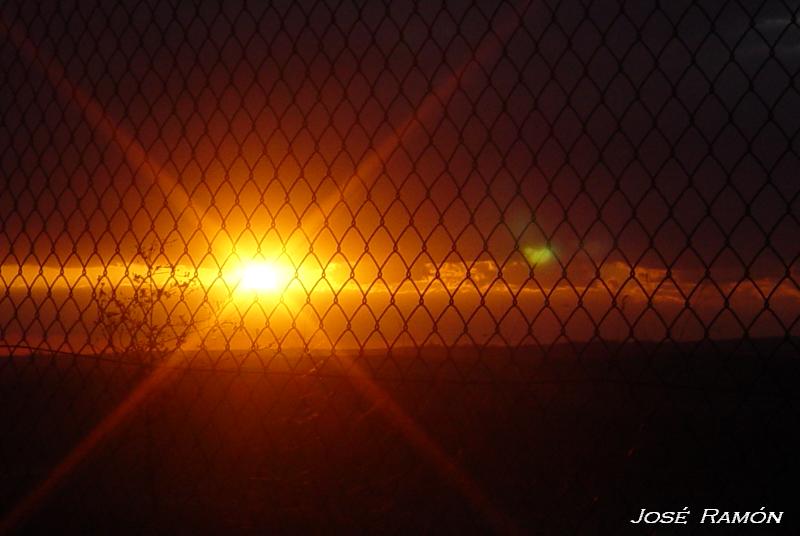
{"x": 536, "y": 256}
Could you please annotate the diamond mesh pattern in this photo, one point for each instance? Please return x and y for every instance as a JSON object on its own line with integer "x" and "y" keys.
{"x": 272, "y": 199}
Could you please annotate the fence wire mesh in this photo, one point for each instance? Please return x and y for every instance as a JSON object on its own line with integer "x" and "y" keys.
{"x": 257, "y": 260}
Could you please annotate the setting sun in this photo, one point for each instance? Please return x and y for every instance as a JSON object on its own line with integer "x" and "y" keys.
{"x": 319, "y": 266}
{"x": 264, "y": 276}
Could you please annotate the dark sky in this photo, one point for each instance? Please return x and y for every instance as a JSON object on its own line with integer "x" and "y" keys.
{"x": 654, "y": 135}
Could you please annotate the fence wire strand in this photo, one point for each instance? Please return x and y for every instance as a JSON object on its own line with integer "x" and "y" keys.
{"x": 480, "y": 195}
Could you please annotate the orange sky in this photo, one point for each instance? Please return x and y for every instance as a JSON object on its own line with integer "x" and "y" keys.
{"x": 400, "y": 170}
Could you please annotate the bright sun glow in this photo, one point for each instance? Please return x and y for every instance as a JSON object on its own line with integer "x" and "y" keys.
{"x": 264, "y": 276}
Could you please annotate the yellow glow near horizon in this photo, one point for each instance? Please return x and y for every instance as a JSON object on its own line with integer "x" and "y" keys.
{"x": 536, "y": 256}
{"x": 264, "y": 276}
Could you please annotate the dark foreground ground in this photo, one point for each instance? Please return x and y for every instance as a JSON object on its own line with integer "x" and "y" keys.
{"x": 574, "y": 440}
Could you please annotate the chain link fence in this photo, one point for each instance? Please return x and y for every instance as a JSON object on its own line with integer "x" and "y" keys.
{"x": 320, "y": 265}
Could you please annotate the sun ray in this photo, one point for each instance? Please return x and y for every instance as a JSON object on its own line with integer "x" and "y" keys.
{"x": 140, "y": 162}
{"x": 434, "y": 100}
{"x": 20, "y": 511}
